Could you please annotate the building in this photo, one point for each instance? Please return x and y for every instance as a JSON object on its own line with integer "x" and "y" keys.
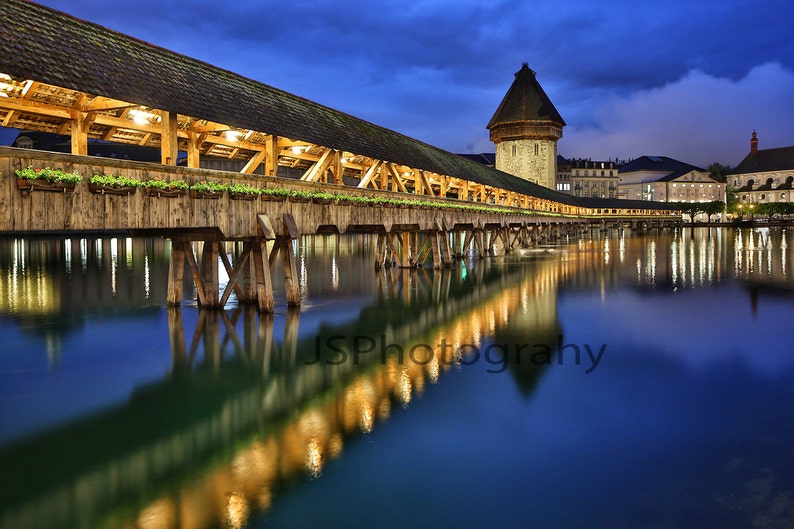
{"x": 587, "y": 178}
{"x": 662, "y": 179}
{"x": 525, "y": 129}
{"x": 764, "y": 175}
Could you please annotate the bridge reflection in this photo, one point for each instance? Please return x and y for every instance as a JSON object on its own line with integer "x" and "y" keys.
{"x": 245, "y": 411}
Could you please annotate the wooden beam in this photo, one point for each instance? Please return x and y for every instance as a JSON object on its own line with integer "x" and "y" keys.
{"x": 428, "y": 187}
{"x": 10, "y": 118}
{"x": 194, "y": 142}
{"x": 272, "y": 151}
{"x": 255, "y": 161}
{"x": 79, "y": 134}
{"x": 369, "y": 175}
{"x": 396, "y": 178}
{"x": 318, "y": 169}
{"x": 169, "y": 147}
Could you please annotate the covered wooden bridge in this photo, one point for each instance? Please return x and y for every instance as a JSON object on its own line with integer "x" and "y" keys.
{"x": 66, "y": 76}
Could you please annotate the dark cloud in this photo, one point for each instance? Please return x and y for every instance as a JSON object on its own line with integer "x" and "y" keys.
{"x": 437, "y": 69}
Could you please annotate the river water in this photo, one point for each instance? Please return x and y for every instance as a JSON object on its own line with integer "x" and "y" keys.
{"x": 616, "y": 379}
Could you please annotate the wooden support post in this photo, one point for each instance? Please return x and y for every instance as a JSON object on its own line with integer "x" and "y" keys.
{"x": 437, "y": 262}
{"x": 80, "y": 125}
{"x": 380, "y": 252}
{"x": 248, "y": 279}
{"x": 291, "y": 283}
{"x": 446, "y": 249}
{"x": 194, "y": 142}
{"x": 209, "y": 275}
{"x": 264, "y": 282}
{"x": 176, "y": 271}
{"x": 479, "y": 242}
{"x": 490, "y": 236}
{"x": 290, "y": 232}
{"x": 392, "y": 249}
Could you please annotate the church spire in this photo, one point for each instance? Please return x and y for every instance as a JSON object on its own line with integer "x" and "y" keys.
{"x": 754, "y": 143}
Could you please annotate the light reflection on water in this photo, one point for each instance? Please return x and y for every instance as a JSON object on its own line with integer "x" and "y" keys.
{"x": 218, "y": 420}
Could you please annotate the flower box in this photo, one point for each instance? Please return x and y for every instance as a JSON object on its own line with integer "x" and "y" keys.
{"x": 165, "y": 193}
{"x": 242, "y": 196}
{"x": 301, "y": 199}
{"x": 111, "y": 190}
{"x": 213, "y": 195}
{"x": 43, "y": 185}
{"x": 318, "y": 200}
{"x": 273, "y": 198}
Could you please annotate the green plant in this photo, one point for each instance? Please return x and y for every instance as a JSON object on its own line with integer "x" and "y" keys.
{"x": 300, "y": 193}
{"x": 159, "y": 182}
{"x": 109, "y": 180}
{"x": 244, "y": 189}
{"x": 278, "y": 191}
{"x": 48, "y": 174}
{"x": 205, "y": 186}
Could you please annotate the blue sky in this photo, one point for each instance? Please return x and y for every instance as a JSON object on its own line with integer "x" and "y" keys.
{"x": 681, "y": 79}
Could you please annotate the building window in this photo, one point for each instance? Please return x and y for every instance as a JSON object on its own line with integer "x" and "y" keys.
{"x": 515, "y": 150}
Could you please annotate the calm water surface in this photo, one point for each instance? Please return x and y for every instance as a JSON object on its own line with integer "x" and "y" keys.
{"x": 617, "y": 380}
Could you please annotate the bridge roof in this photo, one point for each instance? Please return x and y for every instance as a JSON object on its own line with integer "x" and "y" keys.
{"x": 51, "y": 47}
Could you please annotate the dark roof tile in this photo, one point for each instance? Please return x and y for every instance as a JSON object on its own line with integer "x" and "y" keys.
{"x": 780, "y": 159}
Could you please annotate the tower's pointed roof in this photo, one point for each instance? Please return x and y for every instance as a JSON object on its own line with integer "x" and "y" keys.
{"x": 525, "y": 101}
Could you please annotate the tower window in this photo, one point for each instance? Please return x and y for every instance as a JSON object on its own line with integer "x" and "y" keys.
{"x": 515, "y": 150}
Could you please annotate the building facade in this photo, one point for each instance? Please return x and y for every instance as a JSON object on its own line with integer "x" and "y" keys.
{"x": 663, "y": 179}
{"x": 525, "y": 129}
{"x": 588, "y": 178}
{"x": 764, "y": 175}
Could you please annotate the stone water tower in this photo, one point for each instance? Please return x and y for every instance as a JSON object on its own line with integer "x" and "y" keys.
{"x": 525, "y": 129}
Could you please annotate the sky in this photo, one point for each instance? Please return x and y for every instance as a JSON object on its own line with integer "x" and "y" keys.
{"x": 688, "y": 80}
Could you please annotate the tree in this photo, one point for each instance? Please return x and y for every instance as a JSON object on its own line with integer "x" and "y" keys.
{"x": 770, "y": 209}
{"x": 692, "y": 209}
{"x": 713, "y": 208}
{"x": 719, "y": 172}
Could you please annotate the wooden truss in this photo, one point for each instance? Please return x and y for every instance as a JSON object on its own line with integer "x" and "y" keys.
{"x": 31, "y": 105}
